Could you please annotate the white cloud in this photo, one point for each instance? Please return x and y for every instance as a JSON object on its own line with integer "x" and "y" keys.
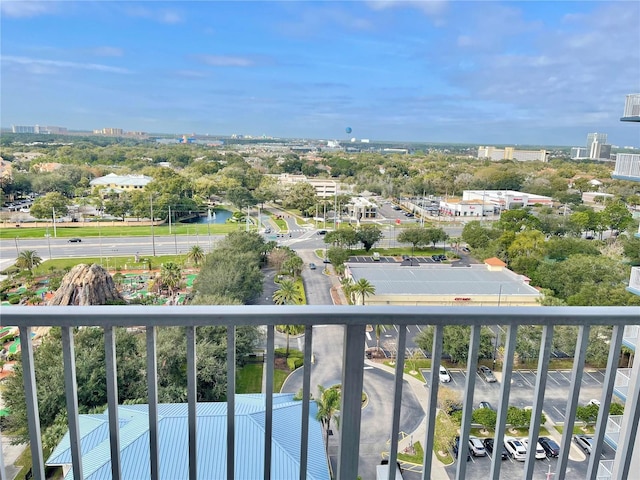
{"x": 162, "y": 16}
{"x": 431, "y": 8}
{"x": 40, "y": 66}
{"x": 225, "y": 61}
{"x": 26, "y": 9}
{"x": 107, "y": 51}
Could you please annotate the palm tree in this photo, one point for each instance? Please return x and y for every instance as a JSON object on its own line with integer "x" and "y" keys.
{"x": 28, "y": 260}
{"x": 171, "y": 275}
{"x": 379, "y": 329}
{"x": 196, "y": 255}
{"x": 288, "y": 294}
{"x": 328, "y": 404}
{"x": 363, "y": 288}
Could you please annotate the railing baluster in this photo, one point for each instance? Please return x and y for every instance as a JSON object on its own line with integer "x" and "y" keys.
{"x": 31, "y": 398}
{"x": 536, "y": 412}
{"x": 3, "y": 472}
{"x": 629, "y": 427}
{"x": 605, "y": 400}
{"x": 467, "y": 402}
{"x": 71, "y": 393}
{"x": 397, "y": 401}
{"x": 152, "y": 389}
{"x": 192, "y": 400}
{"x": 434, "y": 380}
{"x": 268, "y": 420}
{"x": 503, "y": 401}
{"x": 112, "y": 401}
{"x": 351, "y": 408}
{"x": 306, "y": 398}
{"x": 231, "y": 400}
{"x": 572, "y": 402}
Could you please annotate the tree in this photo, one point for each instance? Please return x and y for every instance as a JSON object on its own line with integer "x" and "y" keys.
{"x": 196, "y": 255}
{"x": 485, "y": 417}
{"x": 118, "y": 205}
{"x": 379, "y": 329}
{"x": 290, "y": 330}
{"x": 587, "y": 414}
{"x": 328, "y": 404}
{"x": 171, "y": 276}
{"x": 344, "y": 237}
{"x": 28, "y": 260}
{"x": 369, "y": 235}
{"x": 44, "y": 207}
{"x": 293, "y": 265}
{"x": 455, "y": 341}
{"x": 616, "y": 216}
{"x": 435, "y": 235}
{"x": 477, "y": 236}
{"x": 337, "y": 256}
{"x": 363, "y": 288}
{"x": 240, "y": 197}
{"x": 301, "y": 196}
{"x": 287, "y": 294}
{"x": 416, "y": 236}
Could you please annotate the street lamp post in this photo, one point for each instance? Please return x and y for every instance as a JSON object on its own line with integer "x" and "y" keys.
{"x": 495, "y": 344}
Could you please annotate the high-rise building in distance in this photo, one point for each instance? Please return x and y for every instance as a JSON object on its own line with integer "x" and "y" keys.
{"x": 595, "y": 137}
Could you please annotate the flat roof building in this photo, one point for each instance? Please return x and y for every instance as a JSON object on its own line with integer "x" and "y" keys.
{"x": 121, "y": 183}
{"x": 506, "y": 199}
{"x": 324, "y": 187}
{"x": 510, "y": 153}
{"x": 491, "y": 284}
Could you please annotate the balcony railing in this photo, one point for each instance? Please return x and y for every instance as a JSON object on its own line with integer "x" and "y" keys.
{"x": 621, "y": 386}
{"x": 634, "y": 280}
{"x": 612, "y": 433}
{"x": 631, "y": 337}
{"x": 354, "y": 320}
{"x": 605, "y": 470}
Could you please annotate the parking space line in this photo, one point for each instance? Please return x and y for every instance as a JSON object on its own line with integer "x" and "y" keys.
{"x": 559, "y": 413}
{"x": 594, "y": 378}
{"x": 368, "y": 336}
{"x": 568, "y": 379}
{"x": 396, "y": 327}
{"x": 418, "y": 327}
{"x": 551, "y": 377}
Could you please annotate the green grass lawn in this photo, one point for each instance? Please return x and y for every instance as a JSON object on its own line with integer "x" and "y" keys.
{"x": 410, "y": 364}
{"x": 249, "y": 379}
{"x": 112, "y": 229}
{"x": 579, "y": 429}
{"x": 279, "y": 376}
{"x": 114, "y": 262}
{"x": 416, "y": 457}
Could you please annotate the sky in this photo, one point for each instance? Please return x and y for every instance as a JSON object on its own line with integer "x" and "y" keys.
{"x": 484, "y": 72}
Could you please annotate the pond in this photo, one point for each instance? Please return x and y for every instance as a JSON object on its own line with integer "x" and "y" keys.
{"x": 217, "y": 216}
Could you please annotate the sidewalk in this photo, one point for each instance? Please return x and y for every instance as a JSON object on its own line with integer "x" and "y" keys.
{"x": 438, "y": 471}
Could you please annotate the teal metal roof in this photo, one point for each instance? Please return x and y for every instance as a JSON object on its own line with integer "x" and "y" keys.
{"x": 173, "y": 433}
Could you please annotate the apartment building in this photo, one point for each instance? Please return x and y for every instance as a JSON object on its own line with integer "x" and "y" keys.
{"x": 511, "y": 153}
{"x": 324, "y": 188}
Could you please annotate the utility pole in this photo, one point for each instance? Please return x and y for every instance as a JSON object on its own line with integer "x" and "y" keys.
{"x": 169, "y": 219}
{"x": 335, "y": 208}
{"x": 209, "y": 226}
{"x": 153, "y": 238}
{"x": 17, "y": 249}
{"x": 53, "y": 217}
{"x": 49, "y": 243}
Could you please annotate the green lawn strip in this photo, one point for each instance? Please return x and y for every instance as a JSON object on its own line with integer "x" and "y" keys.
{"x": 122, "y": 230}
{"x": 443, "y": 422}
{"x": 279, "y": 376}
{"x": 522, "y": 432}
{"x": 114, "y": 262}
{"x": 282, "y": 225}
{"x": 300, "y": 286}
{"x": 578, "y": 429}
{"x": 415, "y": 458}
{"x": 413, "y": 365}
{"x": 249, "y": 379}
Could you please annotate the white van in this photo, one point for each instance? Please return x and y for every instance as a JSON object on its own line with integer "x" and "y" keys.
{"x": 376, "y": 257}
{"x": 382, "y": 472}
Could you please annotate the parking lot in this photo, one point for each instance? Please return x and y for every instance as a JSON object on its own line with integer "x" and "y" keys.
{"x": 412, "y": 261}
{"x": 522, "y": 390}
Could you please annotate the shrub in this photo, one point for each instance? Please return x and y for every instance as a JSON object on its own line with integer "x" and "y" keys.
{"x": 14, "y": 300}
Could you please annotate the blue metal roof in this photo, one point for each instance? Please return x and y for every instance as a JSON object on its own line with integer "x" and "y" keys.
{"x": 212, "y": 449}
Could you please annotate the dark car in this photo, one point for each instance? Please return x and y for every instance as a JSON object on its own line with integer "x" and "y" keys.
{"x": 74, "y": 240}
{"x": 456, "y": 448}
{"x": 435, "y": 258}
{"x": 405, "y": 257}
{"x": 322, "y": 232}
{"x": 486, "y": 405}
{"x": 488, "y": 446}
{"x": 585, "y": 442}
{"x": 486, "y": 374}
{"x": 551, "y": 448}
{"x": 312, "y": 266}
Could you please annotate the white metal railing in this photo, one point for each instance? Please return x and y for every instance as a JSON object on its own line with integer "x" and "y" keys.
{"x": 605, "y": 470}
{"x": 631, "y": 335}
{"x": 621, "y": 385}
{"x": 634, "y": 280}
{"x": 354, "y": 319}
{"x": 614, "y": 423}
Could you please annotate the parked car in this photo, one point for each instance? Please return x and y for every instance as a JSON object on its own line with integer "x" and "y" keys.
{"x": 486, "y": 374}
{"x": 435, "y": 258}
{"x": 540, "y": 453}
{"x": 322, "y": 232}
{"x": 74, "y": 240}
{"x": 551, "y": 448}
{"x": 585, "y": 442}
{"x": 593, "y": 401}
{"x": 465, "y": 249}
{"x": 443, "y": 375}
{"x": 516, "y": 449}
{"x": 326, "y": 260}
{"x": 312, "y": 266}
{"x": 476, "y": 447}
{"x": 486, "y": 405}
{"x": 488, "y": 446}
{"x": 405, "y": 257}
{"x": 456, "y": 448}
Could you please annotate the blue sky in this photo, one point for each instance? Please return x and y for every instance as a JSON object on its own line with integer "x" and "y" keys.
{"x": 448, "y": 71}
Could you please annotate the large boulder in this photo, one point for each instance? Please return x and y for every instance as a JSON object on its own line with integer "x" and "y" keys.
{"x": 87, "y": 285}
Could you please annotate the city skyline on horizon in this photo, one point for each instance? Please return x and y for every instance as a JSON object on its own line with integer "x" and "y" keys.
{"x": 436, "y": 72}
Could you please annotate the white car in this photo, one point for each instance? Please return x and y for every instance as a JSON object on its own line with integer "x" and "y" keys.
{"x": 476, "y": 447}
{"x": 540, "y": 453}
{"x": 443, "y": 374}
{"x": 516, "y": 449}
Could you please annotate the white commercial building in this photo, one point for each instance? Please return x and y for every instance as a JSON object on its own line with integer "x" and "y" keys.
{"x": 466, "y": 208}
{"x": 324, "y": 188}
{"x": 579, "y": 152}
{"x": 506, "y": 199}
{"x": 360, "y": 208}
{"x": 510, "y": 153}
{"x": 113, "y": 183}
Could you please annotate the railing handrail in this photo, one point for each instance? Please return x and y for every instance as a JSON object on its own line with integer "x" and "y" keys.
{"x": 223, "y": 315}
